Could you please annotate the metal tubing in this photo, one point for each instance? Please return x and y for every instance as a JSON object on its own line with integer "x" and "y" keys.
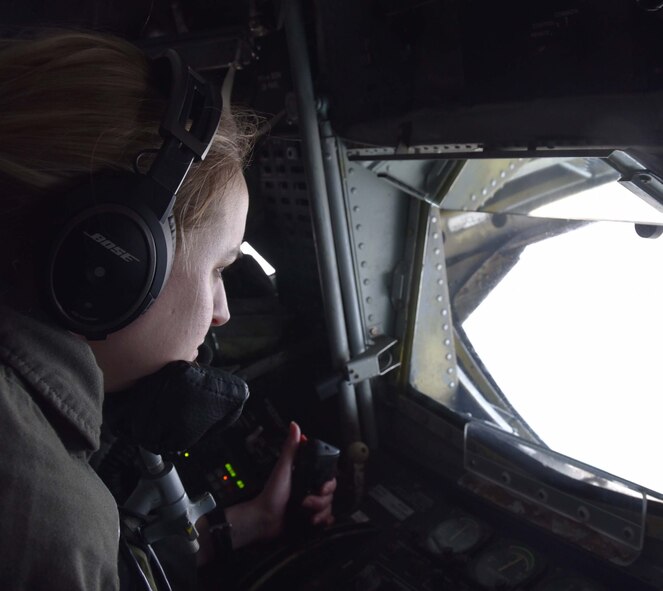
{"x": 333, "y": 303}
{"x": 339, "y": 221}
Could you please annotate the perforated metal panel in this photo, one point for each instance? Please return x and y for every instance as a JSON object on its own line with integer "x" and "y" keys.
{"x": 284, "y": 188}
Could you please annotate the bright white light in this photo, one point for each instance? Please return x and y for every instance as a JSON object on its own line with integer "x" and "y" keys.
{"x": 573, "y": 337}
{"x": 611, "y": 201}
{"x": 246, "y": 248}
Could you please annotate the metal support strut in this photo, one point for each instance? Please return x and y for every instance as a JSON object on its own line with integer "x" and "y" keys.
{"x": 322, "y": 225}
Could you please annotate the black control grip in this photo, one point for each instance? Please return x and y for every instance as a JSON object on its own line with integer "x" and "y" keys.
{"x": 315, "y": 464}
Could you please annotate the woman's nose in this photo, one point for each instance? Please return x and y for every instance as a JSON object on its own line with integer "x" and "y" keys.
{"x": 220, "y": 313}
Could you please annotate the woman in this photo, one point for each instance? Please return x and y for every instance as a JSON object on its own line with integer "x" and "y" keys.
{"x": 73, "y": 105}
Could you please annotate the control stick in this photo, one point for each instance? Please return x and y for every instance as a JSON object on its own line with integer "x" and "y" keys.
{"x": 316, "y": 463}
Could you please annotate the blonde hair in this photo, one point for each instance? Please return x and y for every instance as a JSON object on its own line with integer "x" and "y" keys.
{"x": 73, "y": 104}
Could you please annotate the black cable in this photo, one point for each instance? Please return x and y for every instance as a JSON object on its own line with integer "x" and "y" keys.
{"x": 131, "y": 560}
{"x": 158, "y": 573}
{"x": 157, "y": 563}
{"x": 273, "y": 565}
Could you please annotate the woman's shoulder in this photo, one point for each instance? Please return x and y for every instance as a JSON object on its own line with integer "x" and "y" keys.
{"x": 57, "y": 371}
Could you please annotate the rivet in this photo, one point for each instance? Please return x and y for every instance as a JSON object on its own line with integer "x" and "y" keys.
{"x": 583, "y": 513}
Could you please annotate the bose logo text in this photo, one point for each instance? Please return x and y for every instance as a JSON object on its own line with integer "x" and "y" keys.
{"x": 117, "y": 250}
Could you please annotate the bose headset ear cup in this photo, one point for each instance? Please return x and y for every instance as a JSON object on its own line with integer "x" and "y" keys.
{"x": 112, "y": 258}
{"x": 110, "y": 261}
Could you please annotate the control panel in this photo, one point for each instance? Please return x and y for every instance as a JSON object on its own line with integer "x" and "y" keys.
{"x": 409, "y": 531}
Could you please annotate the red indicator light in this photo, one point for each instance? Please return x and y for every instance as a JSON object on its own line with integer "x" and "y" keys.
{"x": 225, "y": 477}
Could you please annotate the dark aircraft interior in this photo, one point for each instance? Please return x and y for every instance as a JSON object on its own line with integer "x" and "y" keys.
{"x": 461, "y": 203}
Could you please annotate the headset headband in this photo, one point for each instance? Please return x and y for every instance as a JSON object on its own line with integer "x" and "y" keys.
{"x": 194, "y": 103}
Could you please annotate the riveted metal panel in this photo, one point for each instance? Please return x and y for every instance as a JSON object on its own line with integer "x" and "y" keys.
{"x": 377, "y": 218}
{"x": 433, "y": 363}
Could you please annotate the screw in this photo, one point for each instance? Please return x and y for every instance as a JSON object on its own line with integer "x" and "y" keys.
{"x": 583, "y": 513}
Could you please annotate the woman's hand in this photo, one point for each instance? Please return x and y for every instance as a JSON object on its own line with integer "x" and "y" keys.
{"x": 264, "y": 517}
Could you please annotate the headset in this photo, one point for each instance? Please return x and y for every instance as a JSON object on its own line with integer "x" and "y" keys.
{"x": 111, "y": 258}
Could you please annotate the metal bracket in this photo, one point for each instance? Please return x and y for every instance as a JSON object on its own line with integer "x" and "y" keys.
{"x": 636, "y": 177}
{"x": 376, "y": 361}
{"x": 647, "y": 186}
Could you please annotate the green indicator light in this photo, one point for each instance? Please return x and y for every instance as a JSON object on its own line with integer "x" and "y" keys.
{"x": 230, "y": 470}
{"x": 186, "y": 454}
{"x": 240, "y": 484}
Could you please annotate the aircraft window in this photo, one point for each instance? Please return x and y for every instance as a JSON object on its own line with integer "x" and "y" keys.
{"x": 571, "y": 337}
{"x": 606, "y": 202}
{"x": 564, "y": 188}
{"x": 561, "y": 319}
